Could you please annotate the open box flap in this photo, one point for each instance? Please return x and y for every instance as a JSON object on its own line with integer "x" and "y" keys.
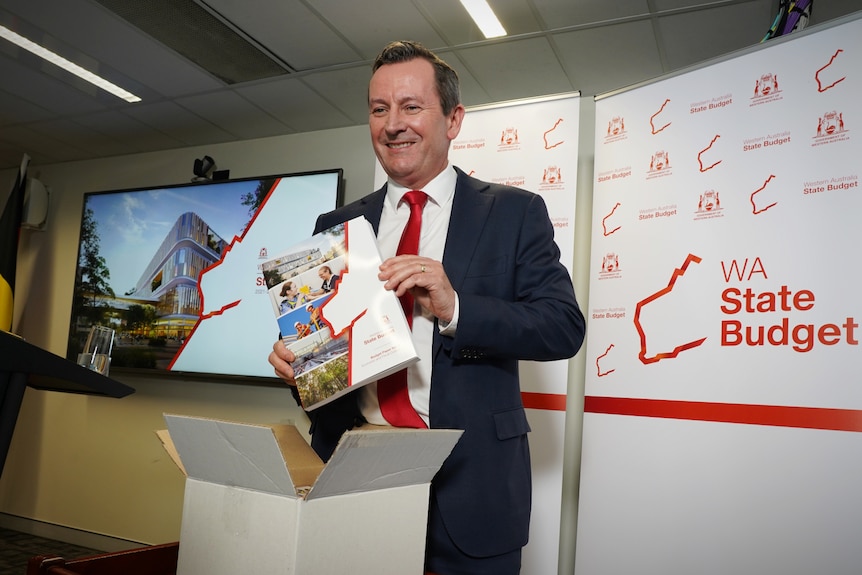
{"x": 382, "y": 459}
{"x": 168, "y": 443}
{"x": 303, "y": 464}
{"x": 244, "y": 455}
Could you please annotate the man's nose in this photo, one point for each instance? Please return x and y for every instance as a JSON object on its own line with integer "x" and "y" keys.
{"x": 394, "y": 122}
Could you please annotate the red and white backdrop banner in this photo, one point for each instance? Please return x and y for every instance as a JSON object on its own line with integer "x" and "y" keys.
{"x": 533, "y": 145}
{"x": 723, "y": 406}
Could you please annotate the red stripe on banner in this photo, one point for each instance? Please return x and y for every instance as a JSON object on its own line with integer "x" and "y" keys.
{"x": 775, "y": 415}
{"x": 548, "y": 401}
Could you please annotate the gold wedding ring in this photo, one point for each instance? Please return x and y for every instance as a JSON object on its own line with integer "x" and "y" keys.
{"x": 423, "y": 268}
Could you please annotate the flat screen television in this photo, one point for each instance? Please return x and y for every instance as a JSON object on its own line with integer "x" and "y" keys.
{"x": 175, "y": 271}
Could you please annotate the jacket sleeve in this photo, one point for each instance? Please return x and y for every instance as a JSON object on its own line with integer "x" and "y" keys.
{"x": 517, "y": 300}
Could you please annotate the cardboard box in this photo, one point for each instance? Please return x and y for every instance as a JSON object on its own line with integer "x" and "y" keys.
{"x": 259, "y": 500}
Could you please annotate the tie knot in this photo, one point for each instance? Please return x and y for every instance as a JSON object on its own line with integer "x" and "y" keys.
{"x": 415, "y": 198}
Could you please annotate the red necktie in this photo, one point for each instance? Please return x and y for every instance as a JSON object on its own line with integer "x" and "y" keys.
{"x": 392, "y": 390}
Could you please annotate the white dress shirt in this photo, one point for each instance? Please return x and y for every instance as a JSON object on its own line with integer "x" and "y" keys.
{"x": 432, "y": 241}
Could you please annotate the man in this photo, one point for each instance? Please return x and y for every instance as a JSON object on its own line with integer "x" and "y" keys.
{"x": 314, "y": 316}
{"x": 488, "y": 290}
{"x": 302, "y": 329}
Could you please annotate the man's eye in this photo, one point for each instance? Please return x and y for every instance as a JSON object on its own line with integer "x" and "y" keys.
{"x": 412, "y": 109}
{"x": 378, "y": 111}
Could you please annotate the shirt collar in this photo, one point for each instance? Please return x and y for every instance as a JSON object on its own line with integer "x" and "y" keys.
{"x": 439, "y": 190}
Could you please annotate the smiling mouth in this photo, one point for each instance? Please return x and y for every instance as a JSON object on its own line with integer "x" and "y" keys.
{"x": 399, "y": 145}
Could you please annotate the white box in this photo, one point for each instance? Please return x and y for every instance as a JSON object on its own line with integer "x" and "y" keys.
{"x": 259, "y": 500}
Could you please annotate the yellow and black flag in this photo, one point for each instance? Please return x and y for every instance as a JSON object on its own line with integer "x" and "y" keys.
{"x": 10, "y": 228}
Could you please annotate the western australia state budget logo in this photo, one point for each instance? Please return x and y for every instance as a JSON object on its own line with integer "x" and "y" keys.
{"x": 552, "y": 175}
{"x": 472, "y": 145}
{"x": 616, "y": 130}
{"x": 516, "y": 181}
{"x": 659, "y": 165}
{"x": 708, "y": 205}
{"x": 610, "y": 266}
{"x": 717, "y": 103}
{"x": 830, "y": 129}
{"x": 839, "y": 183}
{"x": 552, "y": 179}
{"x": 509, "y": 139}
{"x": 615, "y": 174}
{"x": 766, "y": 89}
{"x": 260, "y": 282}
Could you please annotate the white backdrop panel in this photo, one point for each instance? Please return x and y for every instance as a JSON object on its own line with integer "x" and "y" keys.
{"x": 723, "y": 290}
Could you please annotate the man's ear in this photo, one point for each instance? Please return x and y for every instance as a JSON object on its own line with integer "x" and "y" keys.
{"x": 456, "y": 116}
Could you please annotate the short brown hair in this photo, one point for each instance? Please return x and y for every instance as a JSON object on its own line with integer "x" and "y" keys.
{"x": 446, "y": 77}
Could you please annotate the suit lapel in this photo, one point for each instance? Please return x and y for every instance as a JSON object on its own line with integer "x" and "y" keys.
{"x": 372, "y": 206}
{"x": 470, "y": 208}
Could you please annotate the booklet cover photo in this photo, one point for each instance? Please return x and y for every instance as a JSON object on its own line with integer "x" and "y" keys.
{"x": 332, "y": 311}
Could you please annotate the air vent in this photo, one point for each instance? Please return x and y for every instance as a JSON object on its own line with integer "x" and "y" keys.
{"x": 192, "y": 31}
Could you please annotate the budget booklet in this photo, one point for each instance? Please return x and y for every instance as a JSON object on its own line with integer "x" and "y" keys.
{"x": 345, "y": 329}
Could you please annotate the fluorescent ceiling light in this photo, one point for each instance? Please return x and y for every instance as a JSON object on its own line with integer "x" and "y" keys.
{"x": 484, "y": 18}
{"x": 67, "y": 65}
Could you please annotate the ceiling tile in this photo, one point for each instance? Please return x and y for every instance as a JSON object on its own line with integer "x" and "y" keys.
{"x": 450, "y": 20}
{"x": 179, "y": 123}
{"x": 666, "y": 5}
{"x": 693, "y": 37}
{"x": 16, "y": 110}
{"x": 454, "y": 25}
{"x": 346, "y": 89}
{"x": 77, "y": 135}
{"x": 472, "y": 92}
{"x": 41, "y": 146}
{"x": 43, "y": 89}
{"x": 295, "y": 104}
{"x": 371, "y": 24}
{"x": 832, "y": 9}
{"x": 558, "y": 14}
{"x": 521, "y": 17}
{"x": 291, "y": 31}
{"x": 519, "y": 69}
{"x": 137, "y": 135}
{"x": 234, "y": 114}
{"x": 633, "y": 58}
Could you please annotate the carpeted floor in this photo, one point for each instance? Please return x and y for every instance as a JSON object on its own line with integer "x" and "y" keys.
{"x": 17, "y": 548}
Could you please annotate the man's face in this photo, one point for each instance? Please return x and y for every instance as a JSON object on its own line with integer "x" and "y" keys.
{"x": 324, "y": 274}
{"x": 409, "y": 131}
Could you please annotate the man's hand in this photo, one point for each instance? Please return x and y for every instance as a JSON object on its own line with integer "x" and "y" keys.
{"x": 280, "y": 359}
{"x": 425, "y": 279}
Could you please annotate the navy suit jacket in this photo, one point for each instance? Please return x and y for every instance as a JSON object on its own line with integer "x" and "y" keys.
{"x": 516, "y": 302}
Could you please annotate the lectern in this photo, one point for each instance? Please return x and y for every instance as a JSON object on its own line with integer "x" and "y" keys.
{"x": 23, "y": 364}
